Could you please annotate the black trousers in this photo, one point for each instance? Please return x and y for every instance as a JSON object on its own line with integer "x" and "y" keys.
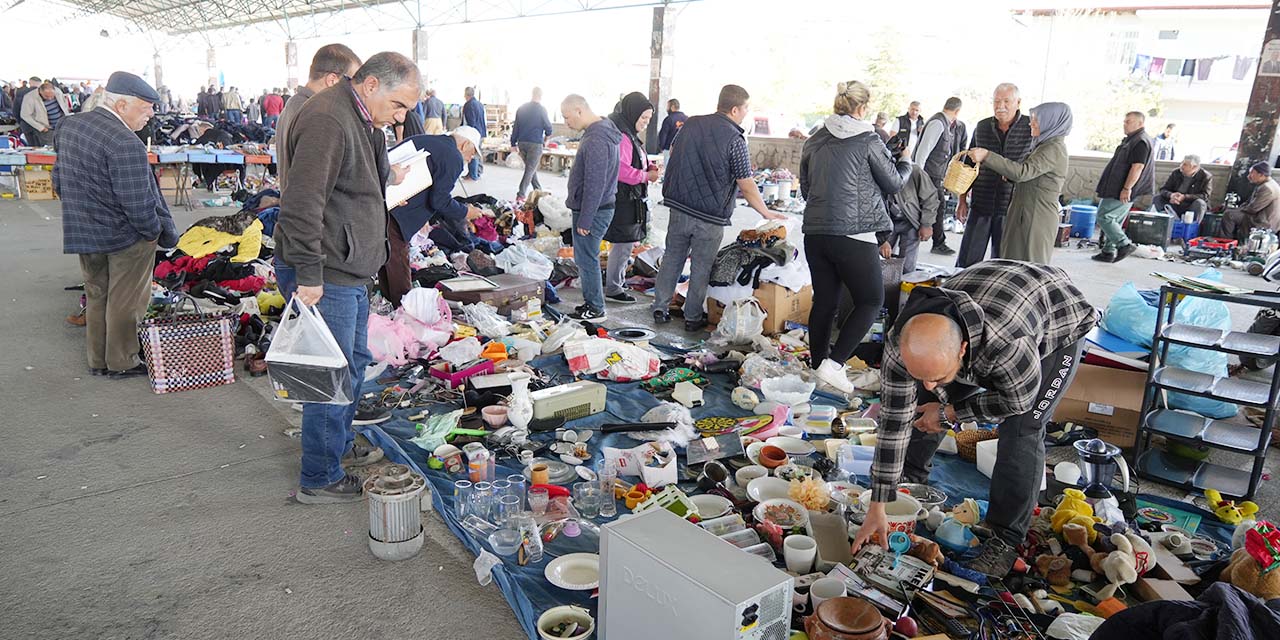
{"x": 939, "y": 232}
{"x": 1019, "y": 451}
{"x": 979, "y": 231}
{"x": 837, "y": 262}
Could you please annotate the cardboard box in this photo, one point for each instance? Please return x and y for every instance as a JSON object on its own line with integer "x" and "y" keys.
{"x": 1108, "y": 400}
{"x": 779, "y": 303}
{"x": 1152, "y": 589}
{"x": 37, "y": 183}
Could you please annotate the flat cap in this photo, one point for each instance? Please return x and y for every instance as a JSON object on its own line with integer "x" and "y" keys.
{"x": 127, "y": 84}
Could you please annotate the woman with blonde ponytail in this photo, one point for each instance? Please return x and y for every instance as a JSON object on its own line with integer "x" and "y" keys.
{"x": 845, "y": 173}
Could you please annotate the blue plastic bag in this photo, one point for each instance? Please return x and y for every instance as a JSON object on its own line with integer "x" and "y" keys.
{"x": 1131, "y": 317}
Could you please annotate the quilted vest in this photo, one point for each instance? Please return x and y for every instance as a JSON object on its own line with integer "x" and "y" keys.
{"x": 698, "y": 179}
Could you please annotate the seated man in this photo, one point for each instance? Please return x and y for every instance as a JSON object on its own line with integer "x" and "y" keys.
{"x": 1262, "y": 211}
{"x": 1187, "y": 189}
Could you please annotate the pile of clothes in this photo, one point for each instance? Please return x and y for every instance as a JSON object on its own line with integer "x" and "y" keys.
{"x": 756, "y": 249}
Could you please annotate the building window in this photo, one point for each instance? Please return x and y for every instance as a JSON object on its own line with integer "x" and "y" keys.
{"x": 1122, "y": 46}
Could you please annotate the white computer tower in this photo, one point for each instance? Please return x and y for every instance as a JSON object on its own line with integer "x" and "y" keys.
{"x": 664, "y": 577}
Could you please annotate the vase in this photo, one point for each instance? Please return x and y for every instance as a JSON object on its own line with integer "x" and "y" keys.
{"x": 520, "y": 404}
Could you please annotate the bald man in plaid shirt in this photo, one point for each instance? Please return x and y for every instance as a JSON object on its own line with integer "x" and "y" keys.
{"x": 999, "y": 343}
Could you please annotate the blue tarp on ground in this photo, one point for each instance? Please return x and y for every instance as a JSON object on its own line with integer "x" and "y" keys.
{"x": 526, "y": 590}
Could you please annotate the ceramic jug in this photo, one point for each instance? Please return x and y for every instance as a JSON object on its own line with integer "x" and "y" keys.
{"x": 520, "y": 404}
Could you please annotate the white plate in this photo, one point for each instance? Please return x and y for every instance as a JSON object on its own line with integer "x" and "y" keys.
{"x": 753, "y": 451}
{"x": 849, "y": 490}
{"x": 768, "y": 488}
{"x": 802, "y": 515}
{"x": 575, "y": 571}
{"x": 711, "y": 506}
{"x": 793, "y": 446}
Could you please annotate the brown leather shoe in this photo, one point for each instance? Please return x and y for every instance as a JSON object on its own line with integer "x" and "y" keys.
{"x": 256, "y": 364}
{"x": 76, "y": 319}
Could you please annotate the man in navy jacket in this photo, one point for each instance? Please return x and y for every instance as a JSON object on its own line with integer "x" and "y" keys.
{"x": 448, "y": 155}
{"x": 473, "y": 116}
{"x": 532, "y": 127}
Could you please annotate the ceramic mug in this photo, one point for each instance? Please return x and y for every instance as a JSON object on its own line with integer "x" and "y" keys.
{"x": 824, "y": 589}
{"x": 539, "y": 474}
{"x": 799, "y": 552}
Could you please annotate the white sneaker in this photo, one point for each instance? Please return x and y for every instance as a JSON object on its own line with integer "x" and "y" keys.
{"x": 832, "y": 373}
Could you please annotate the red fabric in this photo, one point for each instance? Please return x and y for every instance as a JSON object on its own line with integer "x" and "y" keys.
{"x": 486, "y": 229}
{"x": 252, "y": 284}
{"x": 183, "y": 264}
{"x": 272, "y": 105}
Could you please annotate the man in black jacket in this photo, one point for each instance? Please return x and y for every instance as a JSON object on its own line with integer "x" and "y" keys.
{"x": 1129, "y": 175}
{"x": 1187, "y": 189}
{"x": 982, "y": 210}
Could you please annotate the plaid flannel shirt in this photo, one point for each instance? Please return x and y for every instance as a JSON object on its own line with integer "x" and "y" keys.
{"x": 110, "y": 199}
{"x": 1014, "y": 314}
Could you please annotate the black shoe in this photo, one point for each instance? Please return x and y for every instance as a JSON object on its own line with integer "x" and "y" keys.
{"x": 661, "y": 317}
{"x": 347, "y": 489}
{"x": 623, "y": 297}
{"x": 361, "y": 455}
{"x": 140, "y": 370}
{"x": 942, "y": 250}
{"x": 1125, "y": 251}
{"x": 371, "y": 414}
{"x": 1105, "y": 256}
{"x": 585, "y": 312}
{"x": 98, "y": 372}
{"x": 695, "y": 325}
{"x": 996, "y": 559}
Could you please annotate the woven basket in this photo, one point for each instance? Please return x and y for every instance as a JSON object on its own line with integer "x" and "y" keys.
{"x": 960, "y": 176}
{"x": 967, "y": 442}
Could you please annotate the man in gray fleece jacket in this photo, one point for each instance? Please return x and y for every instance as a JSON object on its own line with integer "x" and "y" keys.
{"x": 331, "y": 237}
{"x": 593, "y": 184}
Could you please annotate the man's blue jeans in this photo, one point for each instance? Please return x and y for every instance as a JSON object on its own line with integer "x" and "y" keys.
{"x": 474, "y": 168}
{"x": 586, "y": 253}
{"x": 235, "y": 115}
{"x": 326, "y": 428}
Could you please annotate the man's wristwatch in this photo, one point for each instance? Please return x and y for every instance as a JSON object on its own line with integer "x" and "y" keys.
{"x": 942, "y": 417}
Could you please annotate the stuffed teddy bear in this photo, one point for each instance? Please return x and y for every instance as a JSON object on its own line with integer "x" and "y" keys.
{"x": 1055, "y": 569}
{"x": 1253, "y": 568}
{"x": 1075, "y": 509}
{"x": 927, "y": 550}
{"x": 1130, "y": 560}
{"x": 1229, "y": 511}
{"x": 955, "y": 532}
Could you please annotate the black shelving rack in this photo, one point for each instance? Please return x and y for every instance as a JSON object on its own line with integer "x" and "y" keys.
{"x": 1191, "y": 428}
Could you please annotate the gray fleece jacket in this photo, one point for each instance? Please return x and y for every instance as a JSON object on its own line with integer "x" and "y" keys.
{"x": 593, "y": 181}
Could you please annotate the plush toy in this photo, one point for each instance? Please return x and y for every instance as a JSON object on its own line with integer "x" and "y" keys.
{"x": 955, "y": 532}
{"x": 1229, "y": 511}
{"x": 1075, "y": 509}
{"x": 1055, "y": 569}
{"x": 1253, "y": 568}
{"x": 927, "y": 550}
{"x": 1130, "y": 560}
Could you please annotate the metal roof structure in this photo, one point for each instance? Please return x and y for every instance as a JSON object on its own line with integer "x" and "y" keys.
{"x": 312, "y": 18}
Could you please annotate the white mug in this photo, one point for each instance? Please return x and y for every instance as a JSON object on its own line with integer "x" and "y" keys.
{"x": 825, "y": 589}
{"x": 799, "y": 552}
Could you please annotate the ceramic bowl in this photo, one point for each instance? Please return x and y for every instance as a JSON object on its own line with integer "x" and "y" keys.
{"x": 495, "y": 416}
{"x": 772, "y": 456}
{"x": 567, "y": 613}
{"x": 745, "y": 475}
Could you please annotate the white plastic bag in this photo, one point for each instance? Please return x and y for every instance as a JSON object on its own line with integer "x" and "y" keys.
{"x": 461, "y": 351}
{"x": 611, "y": 359}
{"x": 555, "y": 215}
{"x": 304, "y": 362}
{"x": 514, "y": 161}
{"x": 741, "y": 321}
{"x": 525, "y": 261}
{"x": 484, "y": 317}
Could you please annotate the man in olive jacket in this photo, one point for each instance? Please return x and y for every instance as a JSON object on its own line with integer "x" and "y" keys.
{"x": 331, "y": 238}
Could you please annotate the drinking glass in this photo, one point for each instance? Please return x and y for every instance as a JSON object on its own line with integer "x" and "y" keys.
{"x": 482, "y": 500}
{"x": 532, "y": 538}
{"x": 538, "y": 499}
{"x": 462, "y": 490}
{"x": 586, "y": 497}
{"x": 518, "y": 486}
{"x": 505, "y": 508}
{"x": 500, "y": 488}
{"x": 608, "y": 476}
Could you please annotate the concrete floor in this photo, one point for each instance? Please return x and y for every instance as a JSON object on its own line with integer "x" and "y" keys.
{"x": 132, "y": 515}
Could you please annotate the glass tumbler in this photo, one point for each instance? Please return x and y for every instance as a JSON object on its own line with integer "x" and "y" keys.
{"x": 608, "y": 477}
{"x": 518, "y": 487}
{"x": 586, "y": 497}
{"x": 482, "y": 500}
{"x": 538, "y": 499}
{"x": 500, "y": 488}
{"x": 505, "y": 509}
{"x": 462, "y": 490}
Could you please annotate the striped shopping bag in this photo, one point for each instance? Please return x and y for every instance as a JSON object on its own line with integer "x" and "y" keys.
{"x": 189, "y": 350}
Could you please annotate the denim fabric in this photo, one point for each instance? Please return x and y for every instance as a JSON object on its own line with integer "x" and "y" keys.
{"x": 474, "y": 168}
{"x": 586, "y": 253}
{"x": 235, "y": 115}
{"x": 326, "y": 428}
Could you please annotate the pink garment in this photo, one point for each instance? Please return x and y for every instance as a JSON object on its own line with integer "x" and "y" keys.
{"x": 628, "y": 174}
{"x": 486, "y": 229}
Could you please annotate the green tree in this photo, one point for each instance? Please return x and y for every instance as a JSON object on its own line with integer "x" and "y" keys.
{"x": 1118, "y": 97}
{"x": 885, "y": 71}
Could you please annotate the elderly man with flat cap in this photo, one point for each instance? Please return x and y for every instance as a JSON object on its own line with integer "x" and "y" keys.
{"x": 998, "y": 343}
{"x": 113, "y": 217}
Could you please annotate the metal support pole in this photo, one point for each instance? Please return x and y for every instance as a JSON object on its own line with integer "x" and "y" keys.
{"x": 420, "y": 54}
{"x": 211, "y": 63}
{"x": 661, "y": 64}
{"x": 1263, "y": 113}
{"x": 291, "y": 63}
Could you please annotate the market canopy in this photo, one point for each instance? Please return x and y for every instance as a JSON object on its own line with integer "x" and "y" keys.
{"x": 177, "y": 17}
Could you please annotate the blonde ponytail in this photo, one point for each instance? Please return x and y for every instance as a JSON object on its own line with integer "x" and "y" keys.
{"x": 851, "y": 96}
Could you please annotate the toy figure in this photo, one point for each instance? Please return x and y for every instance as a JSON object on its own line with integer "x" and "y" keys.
{"x": 1252, "y": 568}
{"x": 1229, "y": 511}
{"x": 955, "y": 532}
{"x": 1074, "y": 508}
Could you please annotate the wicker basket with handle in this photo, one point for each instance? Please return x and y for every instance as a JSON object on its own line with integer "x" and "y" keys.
{"x": 960, "y": 176}
{"x": 967, "y": 442}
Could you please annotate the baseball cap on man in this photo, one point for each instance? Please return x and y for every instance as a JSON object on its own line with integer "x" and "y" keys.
{"x": 126, "y": 84}
{"x": 470, "y": 134}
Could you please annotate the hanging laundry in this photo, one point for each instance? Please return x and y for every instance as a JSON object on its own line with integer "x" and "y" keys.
{"x": 1203, "y": 66}
{"x": 1141, "y": 65}
{"x": 1173, "y": 66}
{"x": 1242, "y": 67}
{"x": 1157, "y": 66}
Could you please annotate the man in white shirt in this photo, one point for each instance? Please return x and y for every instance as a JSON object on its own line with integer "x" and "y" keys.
{"x": 909, "y": 125}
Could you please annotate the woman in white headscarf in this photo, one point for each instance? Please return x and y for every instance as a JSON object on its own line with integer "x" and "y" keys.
{"x": 1032, "y": 221}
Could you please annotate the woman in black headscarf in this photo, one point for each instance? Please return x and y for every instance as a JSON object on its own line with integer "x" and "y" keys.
{"x": 631, "y": 213}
